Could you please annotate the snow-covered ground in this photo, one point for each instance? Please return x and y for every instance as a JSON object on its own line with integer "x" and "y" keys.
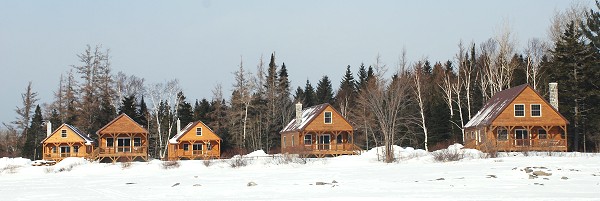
{"x": 416, "y": 176}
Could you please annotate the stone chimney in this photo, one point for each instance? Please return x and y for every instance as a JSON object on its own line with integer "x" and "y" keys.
{"x": 553, "y": 89}
{"x": 48, "y": 128}
{"x": 298, "y": 114}
{"x": 178, "y": 126}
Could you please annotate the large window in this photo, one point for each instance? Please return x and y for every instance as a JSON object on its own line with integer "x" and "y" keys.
{"x": 542, "y": 134}
{"x": 65, "y": 151}
{"x": 199, "y": 131}
{"x": 110, "y": 142}
{"x": 75, "y": 149}
{"x": 197, "y": 147}
{"x": 502, "y": 134}
{"x": 63, "y": 133}
{"x": 123, "y": 144}
{"x": 186, "y": 147}
{"x": 307, "y": 139}
{"x": 328, "y": 119}
{"x": 519, "y": 110}
{"x": 536, "y": 110}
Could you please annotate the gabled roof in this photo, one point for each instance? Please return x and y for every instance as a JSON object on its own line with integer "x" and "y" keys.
{"x": 119, "y": 117}
{"x": 308, "y": 115}
{"x": 88, "y": 140}
{"x": 186, "y": 129}
{"x": 498, "y": 103}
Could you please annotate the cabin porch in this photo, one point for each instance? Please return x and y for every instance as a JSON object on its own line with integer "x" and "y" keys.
{"x": 518, "y": 138}
{"x": 195, "y": 149}
{"x": 59, "y": 151}
{"x": 320, "y": 143}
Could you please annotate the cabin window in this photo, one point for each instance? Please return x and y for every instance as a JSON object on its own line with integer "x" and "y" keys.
{"x": 197, "y": 147}
{"x": 137, "y": 142}
{"x": 75, "y": 149}
{"x": 502, "y": 134}
{"x": 65, "y": 149}
{"x": 339, "y": 138}
{"x": 186, "y": 147}
{"x": 208, "y": 147}
{"x": 308, "y": 139}
{"x": 536, "y": 110}
{"x": 519, "y": 110}
{"x": 124, "y": 144}
{"x": 472, "y": 135}
{"x": 110, "y": 142}
{"x": 328, "y": 117}
{"x": 53, "y": 149}
{"x": 63, "y": 133}
{"x": 199, "y": 131}
{"x": 542, "y": 134}
{"x": 284, "y": 141}
{"x": 292, "y": 140}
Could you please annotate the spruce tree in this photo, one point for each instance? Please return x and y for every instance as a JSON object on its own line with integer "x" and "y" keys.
{"x": 346, "y": 95}
{"x": 128, "y": 106}
{"x": 324, "y": 91}
{"x": 32, "y": 148}
{"x": 142, "y": 113}
{"x": 185, "y": 111}
{"x": 309, "y": 95}
{"x": 299, "y": 95}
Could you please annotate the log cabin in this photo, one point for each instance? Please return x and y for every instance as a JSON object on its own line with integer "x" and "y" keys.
{"x": 122, "y": 140}
{"x": 66, "y": 141}
{"x": 518, "y": 119}
{"x": 195, "y": 141}
{"x": 318, "y": 131}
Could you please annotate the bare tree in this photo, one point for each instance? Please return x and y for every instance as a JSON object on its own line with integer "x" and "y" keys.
{"x": 127, "y": 86}
{"x": 420, "y": 81}
{"x": 240, "y": 103}
{"x": 158, "y": 93}
{"x": 386, "y": 99}
{"x": 535, "y": 51}
{"x": 28, "y": 100}
{"x": 561, "y": 19}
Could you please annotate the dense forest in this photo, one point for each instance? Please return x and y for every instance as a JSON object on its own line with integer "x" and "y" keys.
{"x": 422, "y": 104}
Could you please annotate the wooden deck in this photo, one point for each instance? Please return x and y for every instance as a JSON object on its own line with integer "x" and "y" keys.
{"x": 523, "y": 145}
{"x": 324, "y": 150}
{"x": 117, "y": 154}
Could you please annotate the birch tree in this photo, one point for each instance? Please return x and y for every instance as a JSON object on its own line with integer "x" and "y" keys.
{"x": 420, "y": 80}
{"x": 158, "y": 93}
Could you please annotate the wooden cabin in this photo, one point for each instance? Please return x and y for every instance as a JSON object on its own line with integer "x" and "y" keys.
{"x": 66, "y": 141}
{"x": 122, "y": 140}
{"x": 517, "y": 119}
{"x": 318, "y": 131}
{"x": 195, "y": 141}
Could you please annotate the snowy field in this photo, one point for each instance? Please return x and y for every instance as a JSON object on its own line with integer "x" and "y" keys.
{"x": 416, "y": 176}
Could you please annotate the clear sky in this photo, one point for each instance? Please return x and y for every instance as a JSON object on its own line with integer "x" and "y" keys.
{"x": 200, "y": 42}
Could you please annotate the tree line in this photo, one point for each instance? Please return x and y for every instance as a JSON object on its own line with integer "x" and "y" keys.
{"x": 423, "y": 104}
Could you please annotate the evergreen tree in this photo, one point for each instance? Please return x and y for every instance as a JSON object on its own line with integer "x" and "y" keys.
{"x": 201, "y": 110}
{"x": 128, "y": 106}
{"x": 346, "y": 95}
{"x": 142, "y": 114}
{"x": 362, "y": 77}
{"x": 32, "y": 148}
{"x": 55, "y": 119}
{"x": 310, "y": 98}
{"x": 324, "y": 93}
{"x": 575, "y": 68}
{"x": 185, "y": 111}
{"x": 299, "y": 95}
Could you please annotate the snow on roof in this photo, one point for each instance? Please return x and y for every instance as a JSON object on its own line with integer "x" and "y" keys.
{"x": 308, "y": 115}
{"x": 85, "y": 137}
{"x": 494, "y": 106}
{"x": 88, "y": 140}
{"x": 186, "y": 129}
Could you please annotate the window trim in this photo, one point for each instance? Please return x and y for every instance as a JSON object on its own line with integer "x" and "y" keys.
{"x": 505, "y": 134}
{"x": 531, "y": 110}
{"x": 139, "y": 139}
{"x": 198, "y": 128}
{"x": 197, "y": 145}
{"x": 515, "y": 110}
{"x": 112, "y": 144}
{"x": 309, "y": 139}
{"x": 330, "y": 117}
{"x": 63, "y": 133}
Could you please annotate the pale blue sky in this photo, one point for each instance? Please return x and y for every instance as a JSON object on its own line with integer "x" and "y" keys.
{"x": 200, "y": 42}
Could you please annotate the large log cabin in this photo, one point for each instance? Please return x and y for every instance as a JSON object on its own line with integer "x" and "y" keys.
{"x": 195, "y": 141}
{"x": 122, "y": 140}
{"x": 518, "y": 119}
{"x": 318, "y": 131}
{"x": 66, "y": 141}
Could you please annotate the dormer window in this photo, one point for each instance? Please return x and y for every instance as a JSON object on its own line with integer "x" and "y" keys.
{"x": 199, "y": 131}
{"x": 536, "y": 110}
{"x": 63, "y": 133}
{"x": 519, "y": 110}
{"x": 328, "y": 118}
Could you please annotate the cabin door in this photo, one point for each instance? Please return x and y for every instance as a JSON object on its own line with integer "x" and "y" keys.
{"x": 324, "y": 141}
{"x": 123, "y": 144}
{"x": 522, "y": 137}
{"x": 65, "y": 151}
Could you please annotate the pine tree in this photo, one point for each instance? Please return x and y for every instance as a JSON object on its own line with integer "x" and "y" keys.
{"x": 346, "y": 95}
{"x": 201, "y": 111}
{"x": 128, "y": 106}
{"x": 32, "y": 147}
{"x": 142, "y": 114}
{"x": 575, "y": 69}
{"x": 362, "y": 77}
{"x": 299, "y": 95}
{"x": 324, "y": 93}
{"x": 310, "y": 97}
{"x": 185, "y": 111}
